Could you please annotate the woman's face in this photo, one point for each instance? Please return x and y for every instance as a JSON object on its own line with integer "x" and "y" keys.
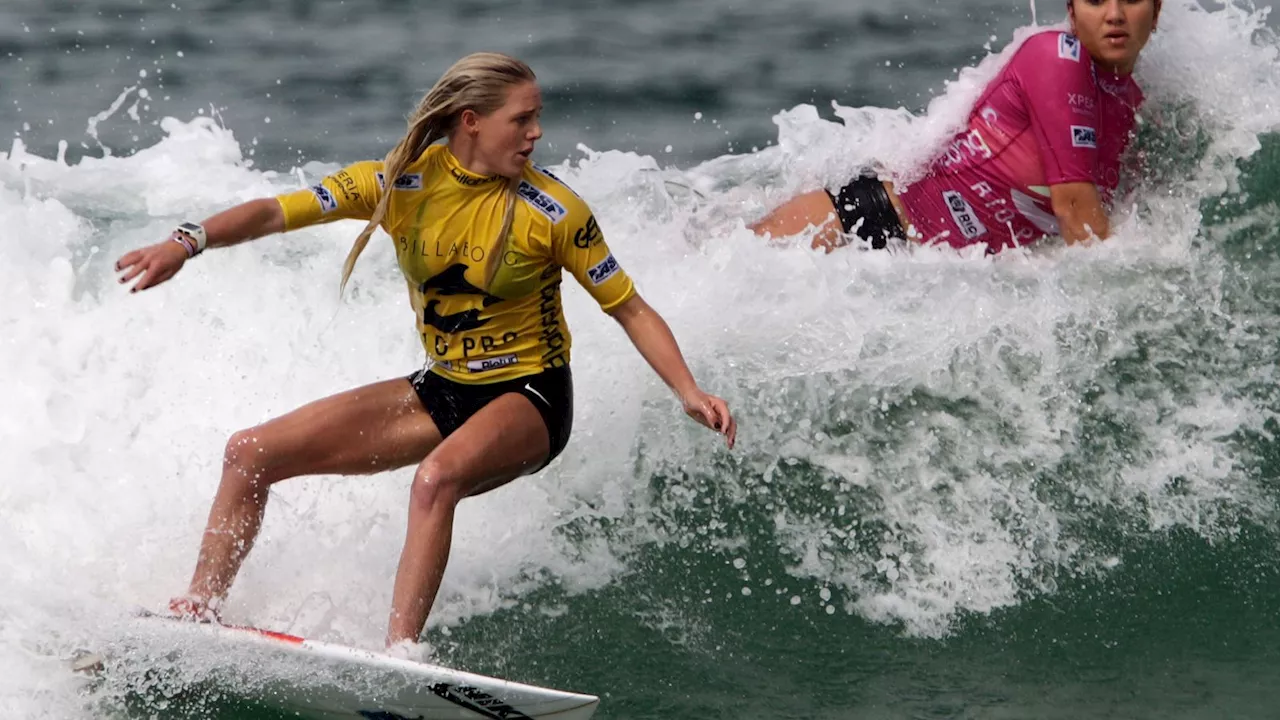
{"x": 505, "y": 137}
{"x": 1114, "y": 31}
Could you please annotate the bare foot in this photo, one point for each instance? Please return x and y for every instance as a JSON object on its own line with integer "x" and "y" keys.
{"x": 195, "y": 609}
{"x": 409, "y": 650}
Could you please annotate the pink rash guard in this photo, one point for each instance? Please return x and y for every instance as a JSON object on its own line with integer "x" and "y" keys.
{"x": 1051, "y": 116}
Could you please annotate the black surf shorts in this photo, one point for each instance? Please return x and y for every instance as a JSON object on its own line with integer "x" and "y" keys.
{"x": 864, "y": 209}
{"x": 450, "y": 404}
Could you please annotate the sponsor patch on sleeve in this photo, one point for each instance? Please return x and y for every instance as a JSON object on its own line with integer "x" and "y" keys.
{"x": 328, "y": 203}
{"x": 603, "y": 270}
{"x": 1084, "y": 137}
{"x": 408, "y": 181}
{"x": 1069, "y": 47}
{"x": 542, "y": 202}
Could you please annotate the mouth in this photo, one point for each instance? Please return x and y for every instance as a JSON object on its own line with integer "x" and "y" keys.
{"x": 525, "y": 153}
{"x": 1116, "y": 38}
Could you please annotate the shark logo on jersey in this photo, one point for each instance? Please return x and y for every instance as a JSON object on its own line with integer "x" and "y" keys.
{"x": 1084, "y": 137}
{"x": 453, "y": 281}
{"x": 328, "y": 203}
{"x": 1069, "y": 47}
{"x": 408, "y": 181}
{"x": 542, "y": 202}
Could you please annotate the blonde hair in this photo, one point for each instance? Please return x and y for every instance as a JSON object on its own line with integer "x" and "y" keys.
{"x": 478, "y": 82}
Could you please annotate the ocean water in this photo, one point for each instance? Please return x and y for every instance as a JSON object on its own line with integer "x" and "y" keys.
{"x": 1040, "y": 485}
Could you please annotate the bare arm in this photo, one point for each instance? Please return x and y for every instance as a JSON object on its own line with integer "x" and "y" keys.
{"x": 157, "y": 263}
{"x": 247, "y": 221}
{"x": 1079, "y": 211}
{"x": 652, "y": 337}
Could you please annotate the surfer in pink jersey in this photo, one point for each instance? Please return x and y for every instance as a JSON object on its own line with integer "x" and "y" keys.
{"x": 1040, "y": 153}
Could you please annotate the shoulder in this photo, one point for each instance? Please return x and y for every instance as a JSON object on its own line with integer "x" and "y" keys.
{"x": 1049, "y": 66}
{"x": 411, "y": 178}
{"x": 551, "y": 197}
{"x": 1052, "y": 49}
{"x": 364, "y": 169}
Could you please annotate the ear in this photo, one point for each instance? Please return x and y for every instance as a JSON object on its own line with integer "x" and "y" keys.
{"x": 1071, "y": 17}
{"x": 469, "y": 121}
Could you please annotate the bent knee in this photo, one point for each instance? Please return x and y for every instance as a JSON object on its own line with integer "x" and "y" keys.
{"x": 435, "y": 483}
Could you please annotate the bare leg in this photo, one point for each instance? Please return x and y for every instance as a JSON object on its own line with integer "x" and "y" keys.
{"x": 498, "y": 444}
{"x": 799, "y": 213}
{"x": 366, "y": 430}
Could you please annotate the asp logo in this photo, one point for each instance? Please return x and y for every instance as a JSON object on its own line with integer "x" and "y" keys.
{"x": 603, "y": 270}
{"x": 543, "y": 202}
{"x": 328, "y": 203}
{"x": 962, "y": 213}
{"x": 1084, "y": 137}
{"x": 1069, "y": 47}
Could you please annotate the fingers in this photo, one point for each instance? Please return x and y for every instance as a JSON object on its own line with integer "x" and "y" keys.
{"x": 128, "y": 259}
{"x": 154, "y": 277}
{"x": 153, "y": 265}
{"x": 724, "y": 421}
{"x": 730, "y": 428}
{"x": 136, "y": 268}
{"x": 714, "y": 413}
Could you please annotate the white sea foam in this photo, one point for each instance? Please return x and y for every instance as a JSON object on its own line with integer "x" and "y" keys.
{"x": 116, "y": 406}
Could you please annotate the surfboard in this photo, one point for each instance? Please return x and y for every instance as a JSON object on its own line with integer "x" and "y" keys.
{"x": 325, "y": 680}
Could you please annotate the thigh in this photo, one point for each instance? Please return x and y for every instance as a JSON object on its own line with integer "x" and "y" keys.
{"x": 797, "y": 214}
{"x": 366, "y": 430}
{"x": 505, "y": 439}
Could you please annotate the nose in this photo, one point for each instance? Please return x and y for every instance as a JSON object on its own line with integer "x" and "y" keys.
{"x": 1115, "y": 12}
{"x": 535, "y": 131}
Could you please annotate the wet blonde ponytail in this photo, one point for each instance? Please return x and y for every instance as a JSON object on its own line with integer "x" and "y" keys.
{"x": 478, "y": 82}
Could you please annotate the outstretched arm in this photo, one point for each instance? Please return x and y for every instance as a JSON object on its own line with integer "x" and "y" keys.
{"x": 1079, "y": 211}
{"x": 652, "y": 337}
{"x": 157, "y": 263}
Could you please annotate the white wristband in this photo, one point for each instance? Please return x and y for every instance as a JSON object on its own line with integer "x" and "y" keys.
{"x": 196, "y": 232}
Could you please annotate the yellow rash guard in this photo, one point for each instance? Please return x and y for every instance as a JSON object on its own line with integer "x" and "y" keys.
{"x": 445, "y": 222}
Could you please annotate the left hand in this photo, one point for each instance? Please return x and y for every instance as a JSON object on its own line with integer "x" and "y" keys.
{"x": 712, "y": 412}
